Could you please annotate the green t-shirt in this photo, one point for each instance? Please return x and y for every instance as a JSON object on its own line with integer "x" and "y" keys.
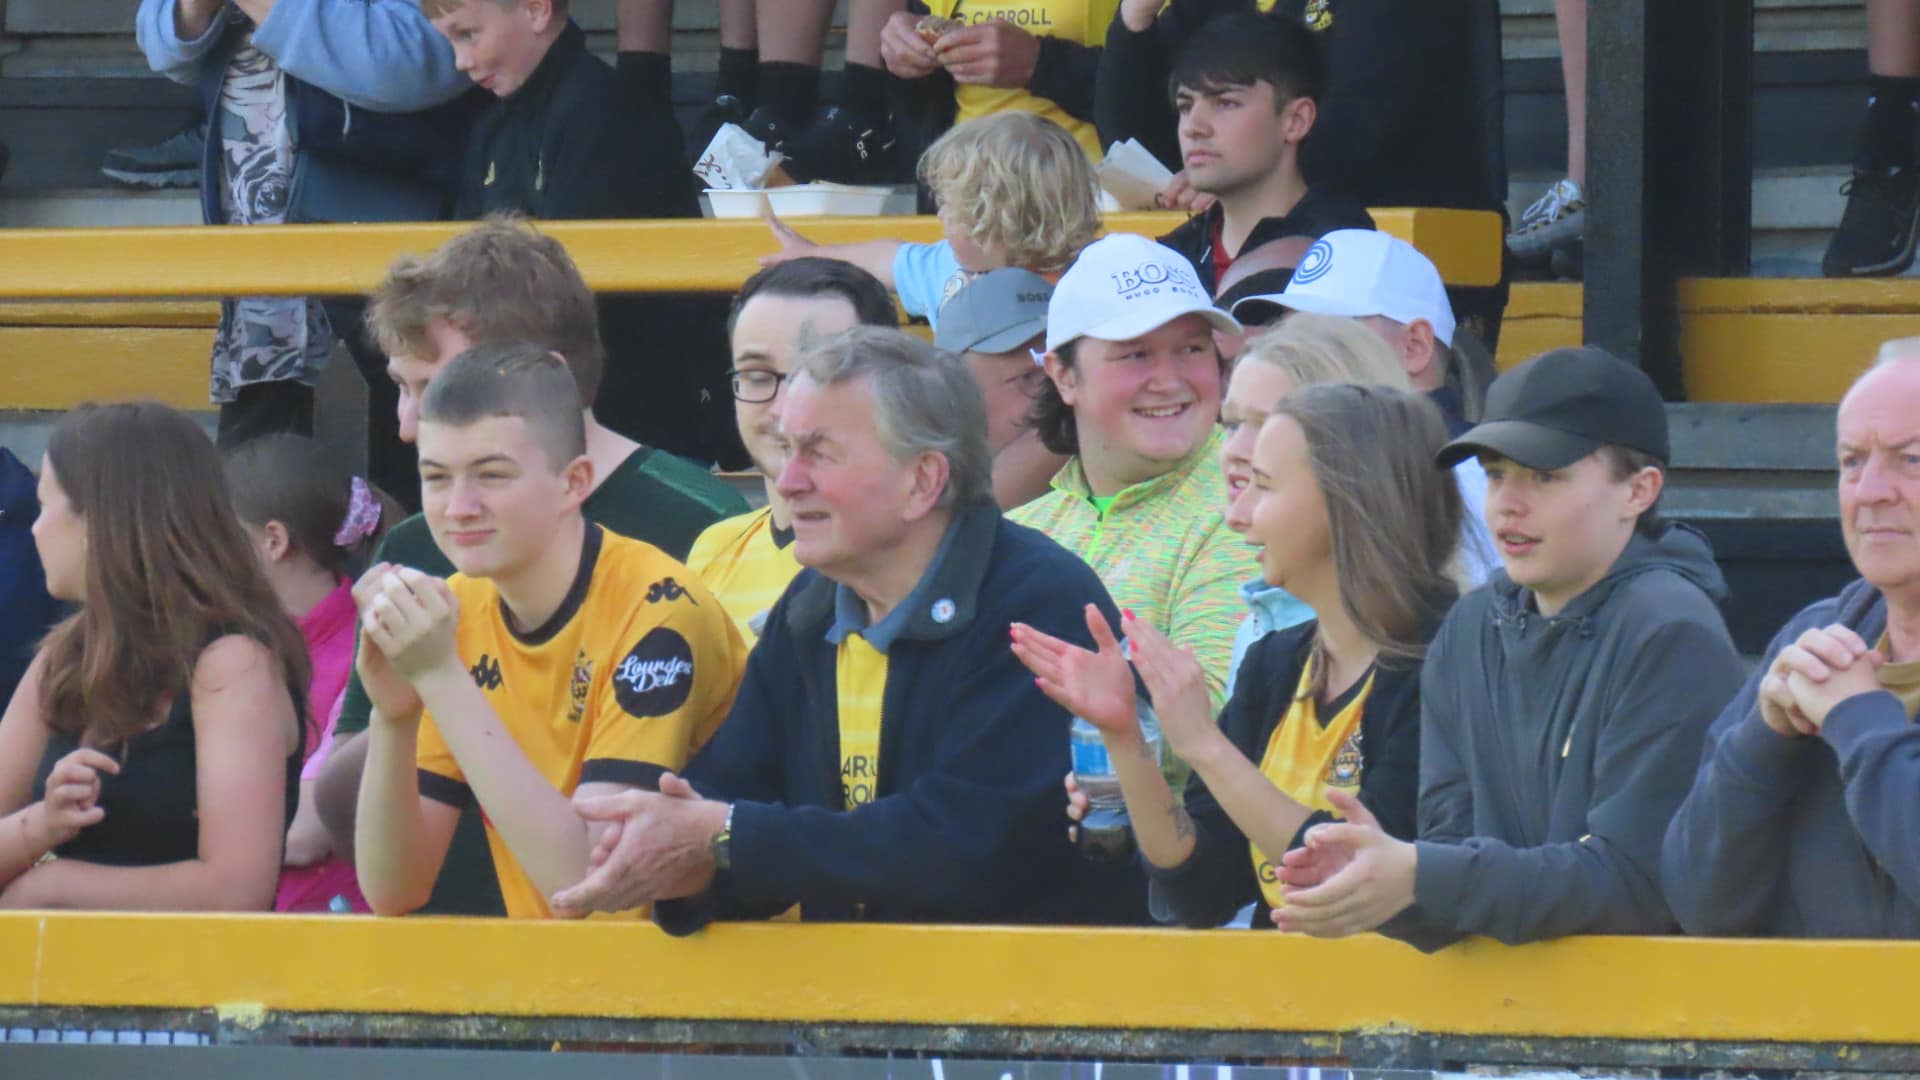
{"x": 654, "y": 496}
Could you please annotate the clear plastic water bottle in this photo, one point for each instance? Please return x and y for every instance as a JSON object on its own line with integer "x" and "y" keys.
{"x": 1105, "y": 830}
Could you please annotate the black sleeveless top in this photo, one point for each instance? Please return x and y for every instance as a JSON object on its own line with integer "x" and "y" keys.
{"x": 152, "y": 804}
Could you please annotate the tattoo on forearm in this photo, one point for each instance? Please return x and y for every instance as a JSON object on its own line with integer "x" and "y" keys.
{"x": 1182, "y": 821}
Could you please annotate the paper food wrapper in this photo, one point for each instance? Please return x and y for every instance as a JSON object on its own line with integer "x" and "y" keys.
{"x": 736, "y": 161}
{"x": 1132, "y": 176}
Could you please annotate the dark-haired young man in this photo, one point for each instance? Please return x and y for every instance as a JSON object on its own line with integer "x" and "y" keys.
{"x": 1245, "y": 88}
{"x": 1563, "y": 706}
{"x": 1401, "y": 116}
{"x": 747, "y": 560}
{"x": 562, "y": 659}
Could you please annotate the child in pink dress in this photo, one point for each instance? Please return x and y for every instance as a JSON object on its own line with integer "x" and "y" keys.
{"x": 313, "y": 526}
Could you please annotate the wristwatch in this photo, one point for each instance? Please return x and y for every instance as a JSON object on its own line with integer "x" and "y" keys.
{"x": 722, "y": 843}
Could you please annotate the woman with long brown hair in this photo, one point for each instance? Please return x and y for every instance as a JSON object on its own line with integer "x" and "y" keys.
{"x": 1349, "y": 514}
{"x": 150, "y": 758}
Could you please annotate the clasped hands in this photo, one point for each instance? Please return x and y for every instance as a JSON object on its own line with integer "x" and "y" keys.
{"x": 655, "y": 846}
{"x": 1822, "y": 668}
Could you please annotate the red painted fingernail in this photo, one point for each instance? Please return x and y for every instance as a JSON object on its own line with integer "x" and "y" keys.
{"x": 1130, "y": 617}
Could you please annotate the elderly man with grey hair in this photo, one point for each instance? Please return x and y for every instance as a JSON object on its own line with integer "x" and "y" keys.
{"x": 1804, "y": 816}
{"x": 887, "y": 757}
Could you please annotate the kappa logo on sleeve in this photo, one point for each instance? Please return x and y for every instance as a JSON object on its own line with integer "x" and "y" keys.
{"x": 486, "y": 673}
{"x": 657, "y": 676}
{"x": 669, "y": 590}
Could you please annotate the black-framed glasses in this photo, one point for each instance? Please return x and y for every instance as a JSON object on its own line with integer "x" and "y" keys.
{"x": 755, "y": 386}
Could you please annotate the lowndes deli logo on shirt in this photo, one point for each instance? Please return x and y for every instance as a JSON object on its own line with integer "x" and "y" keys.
{"x": 657, "y": 676}
{"x": 1154, "y": 278}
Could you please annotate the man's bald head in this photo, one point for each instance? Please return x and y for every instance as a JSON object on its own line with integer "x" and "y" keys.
{"x": 1878, "y": 453}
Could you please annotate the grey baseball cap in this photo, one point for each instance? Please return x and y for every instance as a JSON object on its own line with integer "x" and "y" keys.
{"x": 997, "y": 312}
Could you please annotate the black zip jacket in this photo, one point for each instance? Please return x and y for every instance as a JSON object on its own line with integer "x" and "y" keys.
{"x": 1400, "y": 121}
{"x": 1218, "y": 880}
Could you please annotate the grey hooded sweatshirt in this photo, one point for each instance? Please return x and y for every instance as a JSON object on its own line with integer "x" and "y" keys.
{"x": 1804, "y": 837}
{"x": 1554, "y": 750}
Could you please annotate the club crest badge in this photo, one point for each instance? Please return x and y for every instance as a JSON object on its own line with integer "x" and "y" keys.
{"x": 1345, "y": 770}
{"x": 578, "y": 687}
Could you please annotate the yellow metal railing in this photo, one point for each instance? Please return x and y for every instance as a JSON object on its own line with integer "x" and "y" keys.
{"x": 625, "y": 256}
{"x": 1587, "y": 988}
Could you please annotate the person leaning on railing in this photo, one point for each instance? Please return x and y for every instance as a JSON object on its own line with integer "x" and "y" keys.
{"x": 887, "y": 759}
{"x": 1325, "y": 716}
{"x": 1561, "y": 705}
{"x": 150, "y": 759}
{"x": 1803, "y": 818}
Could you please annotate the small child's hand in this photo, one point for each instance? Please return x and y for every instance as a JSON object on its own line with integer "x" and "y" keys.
{"x": 1180, "y": 195}
{"x": 792, "y": 244}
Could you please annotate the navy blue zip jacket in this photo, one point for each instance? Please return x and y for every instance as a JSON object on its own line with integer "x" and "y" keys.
{"x": 1804, "y": 837}
{"x": 969, "y": 821}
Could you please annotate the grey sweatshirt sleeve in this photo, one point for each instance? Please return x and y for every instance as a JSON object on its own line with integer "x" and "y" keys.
{"x": 381, "y": 55}
{"x": 166, "y": 51}
{"x": 1879, "y": 751}
{"x": 1446, "y": 794}
{"x": 1724, "y": 859}
{"x": 1607, "y": 881}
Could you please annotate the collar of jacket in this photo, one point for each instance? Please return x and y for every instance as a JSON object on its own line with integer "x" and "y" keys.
{"x": 566, "y": 48}
{"x": 1072, "y": 477}
{"x": 956, "y": 580}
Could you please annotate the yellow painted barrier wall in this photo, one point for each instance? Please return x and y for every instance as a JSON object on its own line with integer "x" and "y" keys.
{"x": 1747, "y": 340}
{"x": 622, "y": 256}
{"x": 1599, "y": 988}
{"x": 54, "y": 355}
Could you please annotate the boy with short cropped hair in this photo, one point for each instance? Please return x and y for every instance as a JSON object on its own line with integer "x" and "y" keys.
{"x": 501, "y": 282}
{"x": 561, "y": 658}
{"x": 1563, "y": 705}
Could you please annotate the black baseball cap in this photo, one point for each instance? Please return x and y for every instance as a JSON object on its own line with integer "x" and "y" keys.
{"x": 1560, "y": 406}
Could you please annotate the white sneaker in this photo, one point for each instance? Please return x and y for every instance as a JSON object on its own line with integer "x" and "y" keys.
{"x": 1556, "y": 218}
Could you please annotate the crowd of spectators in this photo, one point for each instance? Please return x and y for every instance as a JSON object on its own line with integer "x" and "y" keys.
{"x": 1372, "y": 642}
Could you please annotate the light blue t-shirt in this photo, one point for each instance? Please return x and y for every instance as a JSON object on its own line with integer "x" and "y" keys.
{"x": 1270, "y": 610}
{"x": 926, "y": 276}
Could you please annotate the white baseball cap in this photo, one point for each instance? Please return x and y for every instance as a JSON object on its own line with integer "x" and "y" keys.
{"x": 1123, "y": 286}
{"x": 1356, "y": 273}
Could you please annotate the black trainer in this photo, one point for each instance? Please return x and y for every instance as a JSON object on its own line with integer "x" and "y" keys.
{"x": 762, "y": 124}
{"x": 839, "y": 148}
{"x": 175, "y": 161}
{"x": 1876, "y": 233}
{"x": 721, "y": 111}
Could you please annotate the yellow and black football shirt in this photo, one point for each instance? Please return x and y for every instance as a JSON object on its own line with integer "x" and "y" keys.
{"x": 748, "y": 563}
{"x": 1306, "y": 756}
{"x": 1083, "y": 22}
{"x": 630, "y": 677}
